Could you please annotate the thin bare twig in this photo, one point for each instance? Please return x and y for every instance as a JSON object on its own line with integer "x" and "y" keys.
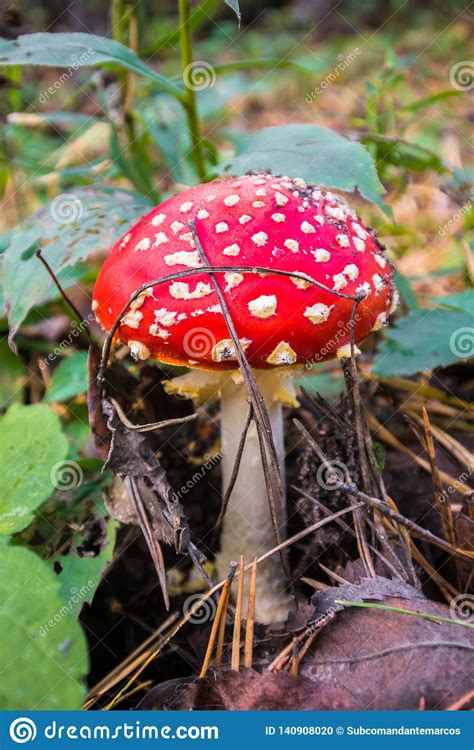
{"x": 151, "y": 425}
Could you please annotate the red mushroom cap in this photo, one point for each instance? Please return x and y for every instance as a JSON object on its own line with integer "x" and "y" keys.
{"x": 257, "y": 220}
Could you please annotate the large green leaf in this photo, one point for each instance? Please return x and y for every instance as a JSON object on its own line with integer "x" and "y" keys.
{"x": 427, "y": 339}
{"x": 77, "y": 50}
{"x": 69, "y": 379}
{"x": 316, "y": 154}
{"x": 31, "y": 445}
{"x": 43, "y": 657}
{"x": 67, "y": 230}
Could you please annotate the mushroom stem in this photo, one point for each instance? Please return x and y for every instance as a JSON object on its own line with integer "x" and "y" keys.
{"x": 247, "y": 527}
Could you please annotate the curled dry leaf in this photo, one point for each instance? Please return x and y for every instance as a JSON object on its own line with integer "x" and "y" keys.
{"x": 372, "y": 659}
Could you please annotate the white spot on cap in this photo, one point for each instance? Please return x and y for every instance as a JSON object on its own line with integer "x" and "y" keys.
{"x": 180, "y": 290}
{"x": 335, "y": 212}
{"x": 186, "y": 206}
{"x": 183, "y": 258}
{"x": 344, "y": 352}
{"x": 138, "y": 350}
{"x": 282, "y": 354}
{"x": 352, "y": 271}
{"x": 160, "y": 239}
{"x": 244, "y": 219}
{"x": 307, "y": 228}
{"x": 202, "y": 213}
{"x": 176, "y": 226}
{"x": 342, "y": 240}
{"x": 380, "y": 260}
{"x": 263, "y": 306}
{"x": 162, "y": 333}
{"x": 211, "y": 197}
{"x": 300, "y": 283}
{"x": 187, "y": 237}
{"x": 215, "y": 309}
{"x": 360, "y": 232}
{"x": 260, "y": 238}
{"x": 278, "y": 218}
{"x": 232, "y": 249}
{"x": 259, "y": 181}
{"x": 94, "y": 305}
{"x": 359, "y": 244}
{"x": 379, "y": 282}
{"x": 158, "y": 219}
{"x": 319, "y": 220}
{"x": 281, "y": 199}
{"x": 321, "y": 255}
{"x": 132, "y": 319}
{"x": 225, "y": 350}
{"x": 232, "y": 279}
{"x": 258, "y": 204}
{"x": 261, "y": 192}
{"x": 125, "y": 241}
{"x": 380, "y": 322}
{"x": 231, "y": 200}
{"x": 340, "y": 281}
{"x": 318, "y": 313}
{"x": 292, "y": 245}
{"x": 395, "y": 301}
{"x": 166, "y": 317}
{"x": 144, "y": 244}
{"x": 365, "y": 287}
{"x": 221, "y": 227}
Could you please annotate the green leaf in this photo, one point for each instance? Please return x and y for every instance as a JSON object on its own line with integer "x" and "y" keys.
{"x": 77, "y": 50}
{"x": 461, "y": 301}
{"x": 80, "y": 576}
{"x": 43, "y": 658}
{"x": 426, "y": 339}
{"x": 429, "y": 100}
{"x": 69, "y": 379}
{"x": 31, "y": 445}
{"x": 316, "y": 154}
{"x": 12, "y": 376}
{"x": 67, "y": 230}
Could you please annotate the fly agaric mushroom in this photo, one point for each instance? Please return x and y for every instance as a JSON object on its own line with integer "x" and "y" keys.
{"x": 283, "y": 322}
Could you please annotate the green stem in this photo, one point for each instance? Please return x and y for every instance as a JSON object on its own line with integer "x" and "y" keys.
{"x": 387, "y": 608}
{"x": 190, "y": 100}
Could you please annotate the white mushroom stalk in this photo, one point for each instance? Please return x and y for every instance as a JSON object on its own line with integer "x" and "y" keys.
{"x": 247, "y": 527}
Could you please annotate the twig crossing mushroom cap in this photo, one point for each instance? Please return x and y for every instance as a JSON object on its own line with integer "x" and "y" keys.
{"x": 254, "y": 221}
